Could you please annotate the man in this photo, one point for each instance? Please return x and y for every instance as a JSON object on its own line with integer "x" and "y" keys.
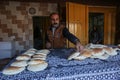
{"x": 95, "y": 36}
{"x": 58, "y": 33}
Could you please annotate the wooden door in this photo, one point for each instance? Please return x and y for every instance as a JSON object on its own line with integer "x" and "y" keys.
{"x": 109, "y": 21}
{"x": 77, "y": 21}
{"x": 40, "y": 24}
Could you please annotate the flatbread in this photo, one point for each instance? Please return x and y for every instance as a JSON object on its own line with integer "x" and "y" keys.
{"x": 84, "y": 54}
{"x": 73, "y": 55}
{"x": 19, "y": 63}
{"x": 98, "y": 51}
{"x": 43, "y": 51}
{"x": 12, "y": 70}
{"x": 23, "y": 57}
{"x": 37, "y": 67}
{"x": 41, "y": 58}
{"x": 36, "y": 61}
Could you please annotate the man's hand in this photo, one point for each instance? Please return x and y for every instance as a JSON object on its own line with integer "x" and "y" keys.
{"x": 48, "y": 45}
{"x": 79, "y": 47}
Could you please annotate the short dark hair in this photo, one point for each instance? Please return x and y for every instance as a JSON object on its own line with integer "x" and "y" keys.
{"x": 53, "y": 14}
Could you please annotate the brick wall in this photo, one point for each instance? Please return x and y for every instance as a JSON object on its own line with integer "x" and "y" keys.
{"x": 16, "y": 22}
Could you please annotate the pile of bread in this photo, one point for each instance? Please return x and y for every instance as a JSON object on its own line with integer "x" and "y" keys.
{"x": 32, "y": 60}
{"x": 94, "y": 51}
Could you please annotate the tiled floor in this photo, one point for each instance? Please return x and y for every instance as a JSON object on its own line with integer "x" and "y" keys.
{"x": 4, "y": 62}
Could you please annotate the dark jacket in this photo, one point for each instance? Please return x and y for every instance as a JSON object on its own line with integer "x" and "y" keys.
{"x": 95, "y": 37}
{"x": 60, "y": 41}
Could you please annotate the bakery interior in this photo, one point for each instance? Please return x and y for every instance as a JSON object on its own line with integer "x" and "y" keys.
{"x": 23, "y": 23}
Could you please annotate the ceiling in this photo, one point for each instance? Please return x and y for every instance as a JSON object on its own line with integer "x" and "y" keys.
{"x": 89, "y": 2}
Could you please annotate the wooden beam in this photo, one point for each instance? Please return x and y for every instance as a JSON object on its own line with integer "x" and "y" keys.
{"x": 88, "y": 2}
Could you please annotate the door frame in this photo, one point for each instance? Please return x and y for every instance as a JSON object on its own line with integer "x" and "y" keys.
{"x": 109, "y": 21}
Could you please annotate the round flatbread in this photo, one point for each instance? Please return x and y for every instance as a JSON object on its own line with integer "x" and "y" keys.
{"x": 36, "y": 61}
{"x": 28, "y": 53}
{"x": 44, "y": 51}
{"x": 73, "y": 55}
{"x": 98, "y": 52}
{"x": 41, "y": 58}
{"x": 37, "y": 67}
{"x": 13, "y": 70}
{"x": 19, "y": 63}
{"x": 32, "y": 49}
{"x": 23, "y": 57}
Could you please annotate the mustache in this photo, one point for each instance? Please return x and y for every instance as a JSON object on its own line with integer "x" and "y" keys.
{"x": 55, "y": 24}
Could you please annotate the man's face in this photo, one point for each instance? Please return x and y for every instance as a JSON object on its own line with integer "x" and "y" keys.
{"x": 55, "y": 20}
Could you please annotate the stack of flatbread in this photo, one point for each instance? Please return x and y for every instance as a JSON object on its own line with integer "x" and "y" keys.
{"x": 37, "y": 62}
{"x": 37, "y": 65}
{"x": 41, "y": 54}
{"x": 17, "y": 66}
{"x": 30, "y": 52}
{"x": 32, "y": 59}
{"x": 94, "y": 51}
{"x": 13, "y": 70}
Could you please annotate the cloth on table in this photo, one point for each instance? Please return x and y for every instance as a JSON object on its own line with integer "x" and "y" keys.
{"x": 59, "y": 68}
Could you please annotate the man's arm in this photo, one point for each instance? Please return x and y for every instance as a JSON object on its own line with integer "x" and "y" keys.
{"x": 73, "y": 39}
{"x": 70, "y": 36}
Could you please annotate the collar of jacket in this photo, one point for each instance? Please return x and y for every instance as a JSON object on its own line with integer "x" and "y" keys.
{"x": 50, "y": 28}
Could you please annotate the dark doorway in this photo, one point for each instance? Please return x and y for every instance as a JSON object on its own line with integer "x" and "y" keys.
{"x": 40, "y": 23}
{"x": 96, "y": 21}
